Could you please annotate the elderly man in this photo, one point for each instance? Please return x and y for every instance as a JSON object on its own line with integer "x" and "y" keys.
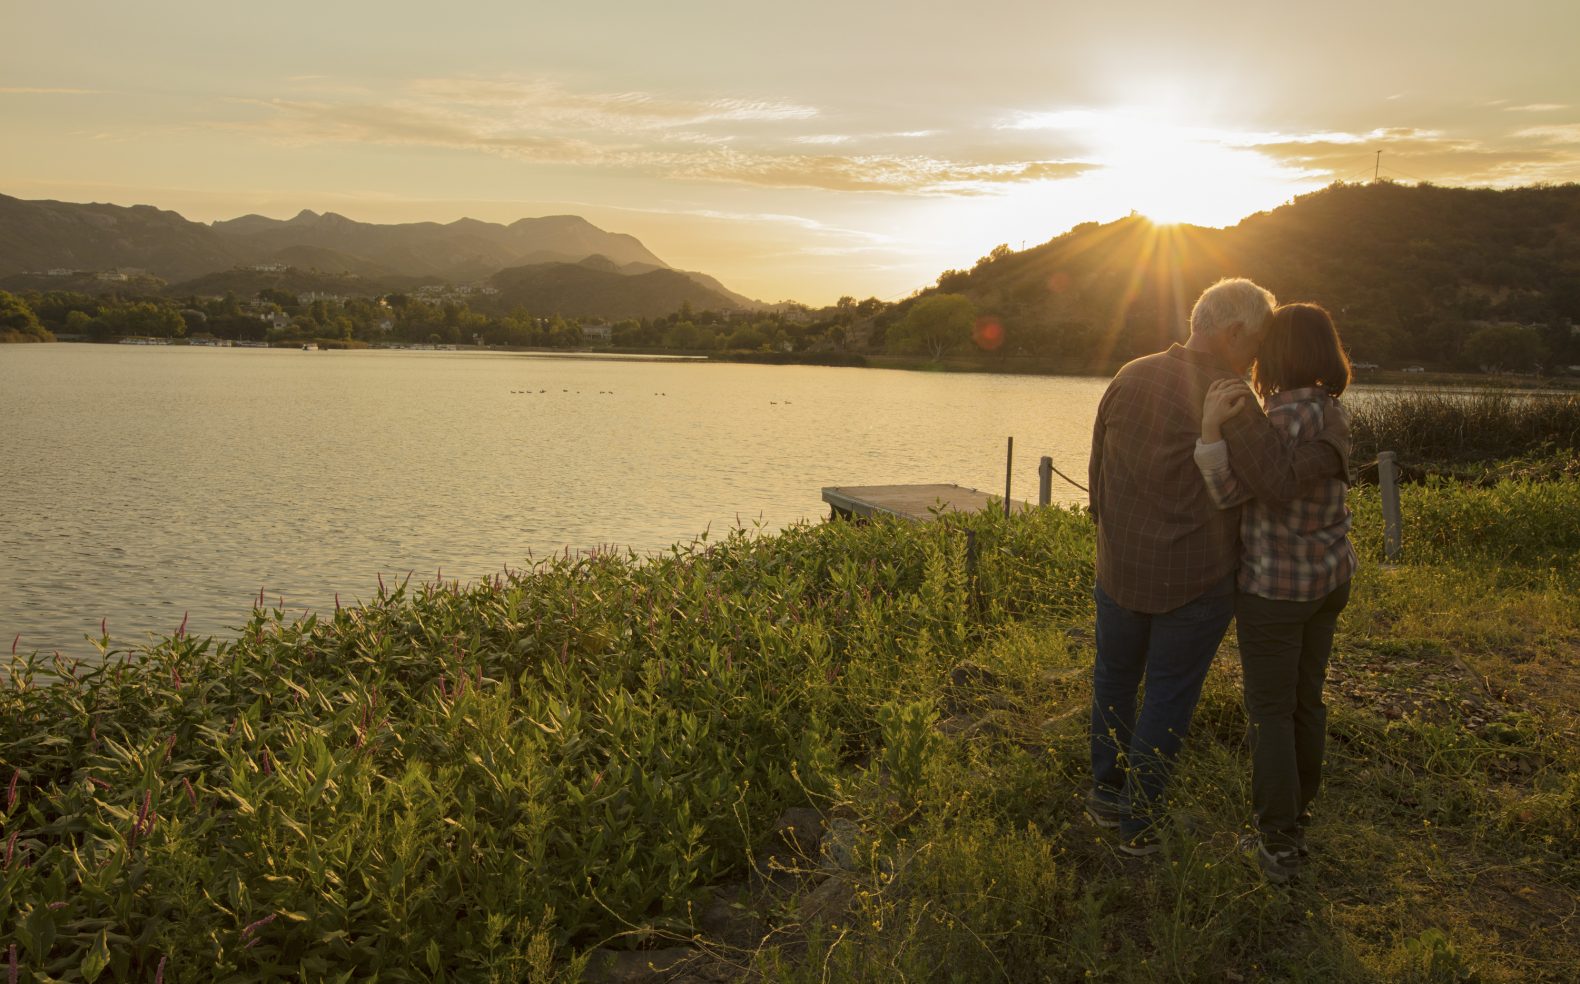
{"x": 1166, "y": 555}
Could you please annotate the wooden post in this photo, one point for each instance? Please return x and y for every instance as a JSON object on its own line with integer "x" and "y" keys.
{"x": 1044, "y": 481}
{"x": 1009, "y": 471}
{"x": 1388, "y": 480}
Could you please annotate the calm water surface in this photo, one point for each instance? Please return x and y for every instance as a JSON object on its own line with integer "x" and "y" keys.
{"x": 145, "y": 483}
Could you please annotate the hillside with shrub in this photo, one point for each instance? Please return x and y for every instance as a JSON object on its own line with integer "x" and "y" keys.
{"x": 1445, "y": 277}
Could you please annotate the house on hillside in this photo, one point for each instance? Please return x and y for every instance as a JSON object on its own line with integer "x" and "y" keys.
{"x": 603, "y": 333}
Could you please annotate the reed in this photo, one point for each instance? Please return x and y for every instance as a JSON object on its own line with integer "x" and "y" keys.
{"x": 1427, "y": 428}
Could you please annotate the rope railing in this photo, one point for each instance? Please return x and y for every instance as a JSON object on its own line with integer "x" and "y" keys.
{"x": 1387, "y": 463}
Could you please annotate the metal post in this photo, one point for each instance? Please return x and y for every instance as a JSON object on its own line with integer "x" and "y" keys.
{"x": 1388, "y": 480}
{"x": 1044, "y": 481}
{"x": 1009, "y": 471}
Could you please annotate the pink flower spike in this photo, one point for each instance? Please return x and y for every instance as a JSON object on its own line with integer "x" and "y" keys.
{"x": 103, "y": 622}
{"x": 191, "y": 794}
{"x": 10, "y": 847}
{"x": 254, "y": 927}
{"x": 381, "y": 583}
{"x": 337, "y": 601}
{"x": 10, "y": 796}
{"x": 159, "y": 974}
{"x": 260, "y": 596}
{"x": 182, "y": 631}
{"x": 11, "y": 962}
{"x": 14, "y": 642}
{"x": 57, "y": 906}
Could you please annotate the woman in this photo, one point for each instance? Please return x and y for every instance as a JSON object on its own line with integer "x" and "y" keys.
{"x": 1295, "y": 570}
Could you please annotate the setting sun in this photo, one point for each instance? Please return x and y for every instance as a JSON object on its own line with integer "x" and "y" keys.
{"x": 1172, "y": 172}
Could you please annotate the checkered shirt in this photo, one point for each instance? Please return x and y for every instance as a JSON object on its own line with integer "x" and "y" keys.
{"x": 1296, "y": 550}
{"x": 1161, "y": 538}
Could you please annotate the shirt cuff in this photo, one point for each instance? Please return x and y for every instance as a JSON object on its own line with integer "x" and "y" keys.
{"x": 1214, "y": 456}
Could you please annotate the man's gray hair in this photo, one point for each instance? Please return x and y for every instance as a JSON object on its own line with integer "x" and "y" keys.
{"x": 1228, "y": 301}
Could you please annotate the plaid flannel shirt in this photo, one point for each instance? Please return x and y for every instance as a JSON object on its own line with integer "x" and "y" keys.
{"x": 1161, "y": 538}
{"x": 1297, "y": 550}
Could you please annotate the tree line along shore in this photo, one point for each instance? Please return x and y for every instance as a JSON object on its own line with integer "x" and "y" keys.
{"x": 1418, "y": 278}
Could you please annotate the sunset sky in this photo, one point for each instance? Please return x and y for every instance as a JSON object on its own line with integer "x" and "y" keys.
{"x": 801, "y": 150}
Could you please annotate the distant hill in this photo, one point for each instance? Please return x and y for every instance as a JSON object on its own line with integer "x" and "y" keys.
{"x": 463, "y": 250}
{"x": 40, "y": 236}
{"x": 45, "y": 235}
{"x": 594, "y": 289}
{"x": 1407, "y": 271}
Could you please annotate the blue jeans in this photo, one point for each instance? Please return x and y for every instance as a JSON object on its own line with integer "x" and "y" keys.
{"x": 1132, "y": 753}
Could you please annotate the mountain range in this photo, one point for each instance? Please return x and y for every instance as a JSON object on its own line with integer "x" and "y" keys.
{"x": 342, "y": 255}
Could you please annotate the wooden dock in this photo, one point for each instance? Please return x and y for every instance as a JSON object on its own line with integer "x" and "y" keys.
{"x": 917, "y": 502}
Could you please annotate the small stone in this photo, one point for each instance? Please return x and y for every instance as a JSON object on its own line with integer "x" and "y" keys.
{"x": 800, "y": 827}
{"x": 999, "y": 702}
{"x": 830, "y": 901}
{"x": 838, "y": 849}
{"x": 608, "y": 966}
{"x": 730, "y": 922}
{"x": 972, "y": 676}
{"x": 1068, "y": 674}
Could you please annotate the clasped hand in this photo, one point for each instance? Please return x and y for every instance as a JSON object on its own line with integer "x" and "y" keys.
{"x": 1225, "y": 398}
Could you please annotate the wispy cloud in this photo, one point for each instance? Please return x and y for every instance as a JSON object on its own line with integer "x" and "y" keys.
{"x": 874, "y": 172}
{"x": 547, "y": 103}
{"x": 1536, "y": 108}
{"x": 739, "y": 140}
{"x": 1469, "y": 156}
{"x": 30, "y": 90}
{"x": 1565, "y": 133}
{"x": 1525, "y": 156}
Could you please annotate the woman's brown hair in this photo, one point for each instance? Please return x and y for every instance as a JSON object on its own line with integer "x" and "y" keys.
{"x": 1301, "y": 348}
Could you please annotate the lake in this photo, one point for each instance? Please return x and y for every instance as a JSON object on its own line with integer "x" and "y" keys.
{"x": 145, "y": 484}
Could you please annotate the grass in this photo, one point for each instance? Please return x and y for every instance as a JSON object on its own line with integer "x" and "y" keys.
{"x": 1466, "y": 430}
{"x": 1445, "y": 838}
{"x": 488, "y": 781}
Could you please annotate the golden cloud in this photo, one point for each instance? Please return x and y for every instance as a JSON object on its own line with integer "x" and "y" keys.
{"x": 544, "y": 123}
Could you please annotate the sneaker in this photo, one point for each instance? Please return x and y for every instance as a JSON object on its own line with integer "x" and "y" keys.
{"x": 1103, "y": 813}
{"x": 1277, "y": 866}
{"x": 1142, "y": 845}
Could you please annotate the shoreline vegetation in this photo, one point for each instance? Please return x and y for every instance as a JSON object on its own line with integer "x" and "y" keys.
{"x": 846, "y": 751}
{"x": 913, "y": 363}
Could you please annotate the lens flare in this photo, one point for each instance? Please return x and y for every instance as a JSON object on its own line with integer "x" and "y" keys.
{"x": 987, "y": 333}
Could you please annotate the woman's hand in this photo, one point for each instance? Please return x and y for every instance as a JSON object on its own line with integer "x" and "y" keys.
{"x": 1225, "y": 398}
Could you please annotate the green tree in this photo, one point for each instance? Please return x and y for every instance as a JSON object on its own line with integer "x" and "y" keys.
{"x": 1504, "y": 347}
{"x": 684, "y": 335}
{"x": 934, "y": 326}
{"x": 18, "y": 322}
{"x": 747, "y": 337}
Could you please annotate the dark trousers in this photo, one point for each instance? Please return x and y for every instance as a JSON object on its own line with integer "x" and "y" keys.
{"x": 1132, "y": 753}
{"x": 1284, "y": 648}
